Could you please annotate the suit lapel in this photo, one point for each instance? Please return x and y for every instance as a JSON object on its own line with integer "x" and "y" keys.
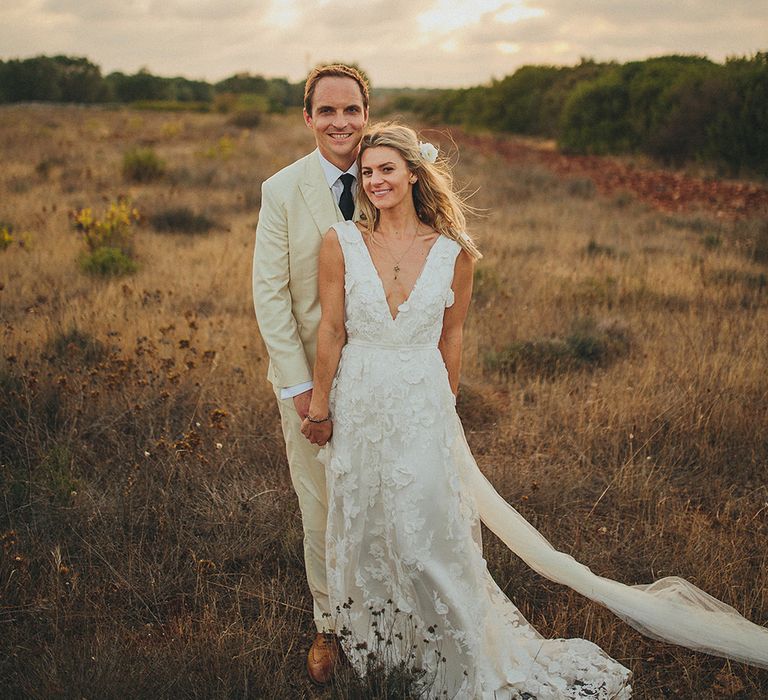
{"x": 318, "y": 196}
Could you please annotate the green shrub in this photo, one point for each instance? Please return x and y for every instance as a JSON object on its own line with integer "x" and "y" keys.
{"x": 247, "y": 118}
{"x": 142, "y": 165}
{"x": 113, "y": 230}
{"x": 108, "y": 262}
{"x": 180, "y": 220}
{"x": 485, "y": 285}
{"x": 588, "y": 345}
{"x": 56, "y": 475}
{"x": 594, "y": 248}
{"x": 6, "y": 236}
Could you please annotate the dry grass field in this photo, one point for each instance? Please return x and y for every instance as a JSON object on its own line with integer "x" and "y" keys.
{"x": 615, "y": 391}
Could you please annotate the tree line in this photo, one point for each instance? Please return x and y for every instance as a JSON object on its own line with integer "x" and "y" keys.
{"x": 674, "y": 108}
{"x": 76, "y": 79}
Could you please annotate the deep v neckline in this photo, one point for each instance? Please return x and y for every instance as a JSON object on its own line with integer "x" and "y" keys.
{"x": 381, "y": 283}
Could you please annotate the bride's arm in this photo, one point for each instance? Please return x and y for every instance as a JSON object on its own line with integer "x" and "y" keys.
{"x": 453, "y": 319}
{"x": 331, "y": 335}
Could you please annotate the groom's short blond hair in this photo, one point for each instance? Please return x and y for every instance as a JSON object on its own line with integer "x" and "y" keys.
{"x": 333, "y": 70}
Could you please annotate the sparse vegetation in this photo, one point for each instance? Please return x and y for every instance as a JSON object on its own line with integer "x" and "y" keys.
{"x": 108, "y": 240}
{"x": 142, "y": 165}
{"x": 588, "y": 344}
{"x": 180, "y": 220}
{"x": 6, "y": 237}
{"x": 247, "y": 118}
{"x": 150, "y": 542}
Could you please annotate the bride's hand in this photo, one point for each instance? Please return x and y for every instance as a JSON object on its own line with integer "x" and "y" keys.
{"x": 317, "y": 433}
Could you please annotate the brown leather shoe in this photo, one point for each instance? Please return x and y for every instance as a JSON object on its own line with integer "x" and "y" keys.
{"x": 322, "y": 658}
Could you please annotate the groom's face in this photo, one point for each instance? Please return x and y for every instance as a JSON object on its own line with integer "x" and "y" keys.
{"x": 338, "y": 118}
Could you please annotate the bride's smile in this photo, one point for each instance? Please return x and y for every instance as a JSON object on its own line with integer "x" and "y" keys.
{"x": 386, "y": 178}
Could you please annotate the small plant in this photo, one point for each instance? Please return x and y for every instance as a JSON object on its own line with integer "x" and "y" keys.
{"x": 108, "y": 262}
{"x": 6, "y": 237}
{"x": 142, "y": 165}
{"x": 180, "y": 220}
{"x": 588, "y": 345}
{"x": 485, "y": 285}
{"x": 389, "y": 663}
{"x": 74, "y": 345}
{"x": 109, "y": 240}
{"x": 247, "y": 118}
{"x": 114, "y": 229}
{"x": 594, "y": 248}
{"x": 224, "y": 148}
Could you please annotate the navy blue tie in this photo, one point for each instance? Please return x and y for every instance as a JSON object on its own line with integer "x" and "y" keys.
{"x": 347, "y": 202}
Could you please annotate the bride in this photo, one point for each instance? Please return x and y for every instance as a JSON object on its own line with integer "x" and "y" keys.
{"x": 406, "y": 572}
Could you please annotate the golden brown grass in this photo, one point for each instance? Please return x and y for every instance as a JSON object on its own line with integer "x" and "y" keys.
{"x": 151, "y": 544}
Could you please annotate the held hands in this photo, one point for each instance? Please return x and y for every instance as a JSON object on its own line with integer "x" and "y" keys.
{"x": 317, "y": 433}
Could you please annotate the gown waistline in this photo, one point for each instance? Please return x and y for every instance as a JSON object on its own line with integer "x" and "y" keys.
{"x": 391, "y": 346}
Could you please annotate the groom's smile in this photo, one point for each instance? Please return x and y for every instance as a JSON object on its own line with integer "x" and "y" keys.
{"x": 338, "y": 118}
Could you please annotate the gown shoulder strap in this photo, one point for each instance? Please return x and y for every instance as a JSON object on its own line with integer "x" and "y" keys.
{"x": 348, "y": 234}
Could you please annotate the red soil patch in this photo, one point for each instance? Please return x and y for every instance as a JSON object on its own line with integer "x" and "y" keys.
{"x": 667, "y": 190}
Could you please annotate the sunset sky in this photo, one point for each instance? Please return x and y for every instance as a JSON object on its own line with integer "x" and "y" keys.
{"x": 429, "y": 43}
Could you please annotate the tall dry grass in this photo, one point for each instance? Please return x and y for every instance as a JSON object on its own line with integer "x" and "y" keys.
{"x": 151, "y": 543}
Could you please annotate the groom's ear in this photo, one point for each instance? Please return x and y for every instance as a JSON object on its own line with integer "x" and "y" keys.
{"x": 307, "y": 118}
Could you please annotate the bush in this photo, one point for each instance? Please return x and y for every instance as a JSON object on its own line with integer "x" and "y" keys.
{"x": 74, "y": 345}
{"x": 142, "y": 165}
{"x": 593, "y": 249}
{"x": 588, "y": 345}
{"x": 108, "y": 262}
{"x": 247, "y": 118}
{"x": 181, "y": 220}
{"x": 113, "y": 230}
{"x": 6, "y": 237}
{"x": 595, "y": 118}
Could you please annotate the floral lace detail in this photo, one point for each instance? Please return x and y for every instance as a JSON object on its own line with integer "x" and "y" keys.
{"x": 404, "y": 555}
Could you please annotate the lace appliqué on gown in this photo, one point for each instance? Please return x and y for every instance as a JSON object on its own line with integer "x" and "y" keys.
{"x": 404, "y": 558}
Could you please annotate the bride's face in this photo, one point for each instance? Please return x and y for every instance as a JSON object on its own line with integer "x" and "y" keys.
{"x": 386, "y": 178}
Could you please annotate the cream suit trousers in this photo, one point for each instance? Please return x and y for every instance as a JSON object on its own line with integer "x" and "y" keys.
{"x": 308, "y": 478}
{"x": 297, "y": 208}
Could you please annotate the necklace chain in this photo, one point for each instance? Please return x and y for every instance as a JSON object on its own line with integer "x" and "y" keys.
{"x": 396, "y": 260}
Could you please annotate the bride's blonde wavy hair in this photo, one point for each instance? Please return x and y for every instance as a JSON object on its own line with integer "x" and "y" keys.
{"x": 437, "y": 205}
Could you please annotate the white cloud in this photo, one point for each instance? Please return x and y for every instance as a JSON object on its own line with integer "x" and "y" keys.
{"x": 398, "y": 42}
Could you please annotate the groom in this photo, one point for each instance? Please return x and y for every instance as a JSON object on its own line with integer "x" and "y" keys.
{"x": 298, "y": 205}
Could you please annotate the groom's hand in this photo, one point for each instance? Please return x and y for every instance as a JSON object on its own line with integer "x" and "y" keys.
{"x": 317, "y": 433}
{"x": 301, "y": 403}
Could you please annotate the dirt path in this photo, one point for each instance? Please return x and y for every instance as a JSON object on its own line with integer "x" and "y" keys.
{"x": 667, "y": 190}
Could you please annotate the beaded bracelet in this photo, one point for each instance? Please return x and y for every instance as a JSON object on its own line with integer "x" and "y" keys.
{"x": 319, "y": 420}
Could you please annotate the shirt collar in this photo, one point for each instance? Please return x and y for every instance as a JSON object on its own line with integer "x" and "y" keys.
{"x": 332, "y": 173}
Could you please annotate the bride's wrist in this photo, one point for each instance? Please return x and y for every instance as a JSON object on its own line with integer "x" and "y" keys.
{"x": 318, "y": 413}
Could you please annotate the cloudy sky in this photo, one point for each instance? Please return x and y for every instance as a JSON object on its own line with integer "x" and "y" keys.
{"x": 431, "y": 43}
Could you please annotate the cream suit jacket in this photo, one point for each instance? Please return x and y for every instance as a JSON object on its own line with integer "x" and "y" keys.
{"x": 297, "y": 208}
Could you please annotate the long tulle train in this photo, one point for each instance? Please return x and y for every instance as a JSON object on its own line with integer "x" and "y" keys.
{"x": 670, "y": 609}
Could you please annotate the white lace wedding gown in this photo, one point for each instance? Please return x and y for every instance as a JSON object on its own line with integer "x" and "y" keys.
{"x": 405, "y": 565}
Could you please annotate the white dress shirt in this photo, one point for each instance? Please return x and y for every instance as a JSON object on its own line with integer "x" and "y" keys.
{"x": 333, "y": 177}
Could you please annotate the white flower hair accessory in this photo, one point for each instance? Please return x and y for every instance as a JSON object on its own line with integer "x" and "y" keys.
{"x": 428, "y": 151}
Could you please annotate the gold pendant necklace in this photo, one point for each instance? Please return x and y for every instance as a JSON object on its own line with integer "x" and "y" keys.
{"x": 396, "y": 267}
